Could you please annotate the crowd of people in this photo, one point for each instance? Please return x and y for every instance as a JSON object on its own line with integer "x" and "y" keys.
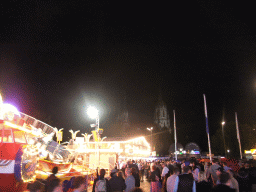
{"x": 163, "y": 176}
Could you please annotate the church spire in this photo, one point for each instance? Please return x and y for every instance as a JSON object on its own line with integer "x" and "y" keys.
{"x": 162, "y": 118}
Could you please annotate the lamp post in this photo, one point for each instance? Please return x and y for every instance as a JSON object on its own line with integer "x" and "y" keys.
{"x": 94, "y": 114}
{"x": 223, "y": 123}
{"x": 228, "y": 152}
{"x": 151, "y": 129}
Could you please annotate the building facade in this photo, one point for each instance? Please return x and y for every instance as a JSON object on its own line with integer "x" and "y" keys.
{"x": 161, "y": 116}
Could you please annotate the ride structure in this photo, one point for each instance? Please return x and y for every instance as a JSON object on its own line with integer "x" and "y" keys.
{"x": 28, "y": 151}
{"x": 25, "y": 143}
{"x": 18, "y": 155}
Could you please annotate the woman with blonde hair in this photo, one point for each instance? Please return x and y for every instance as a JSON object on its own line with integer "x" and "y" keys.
{"x": 203, "y": 185}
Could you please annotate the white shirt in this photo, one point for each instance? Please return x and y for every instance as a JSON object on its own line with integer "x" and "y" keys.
{"x": 170, "y": 183}
{"x": 165, "y": 171}
{"x": 195, "y": 173}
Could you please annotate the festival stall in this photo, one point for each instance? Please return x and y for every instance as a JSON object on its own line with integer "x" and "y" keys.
{"x": 105, "y": 153}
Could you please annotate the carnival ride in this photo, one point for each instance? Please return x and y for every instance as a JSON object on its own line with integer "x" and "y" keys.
{"x": 24, "y": 142}
{"x": 28, "y": 151}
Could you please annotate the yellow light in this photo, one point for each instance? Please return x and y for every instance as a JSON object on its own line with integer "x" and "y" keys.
{"x": 14, "y": 126}
{"x": 37, "y": 159}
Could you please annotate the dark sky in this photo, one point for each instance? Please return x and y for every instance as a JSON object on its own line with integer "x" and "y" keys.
{"x": 60, "y": 57}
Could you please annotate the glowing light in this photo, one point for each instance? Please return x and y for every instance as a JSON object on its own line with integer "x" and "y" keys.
{"x": 223, "y": 122}
{"x": 92, "y": 112}
{"x": 29, "y": 149}
{"x": 139, "y": 138}
{"x": 19, "y": 128}
{"x": 8, "y": 111}
{"x": 10, "y": 108}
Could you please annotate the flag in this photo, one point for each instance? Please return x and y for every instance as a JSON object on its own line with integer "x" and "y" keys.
{"x": 237, "y": 129}
{"x": 206, "y": 116}
{"x": 175, "y": 136}
{"x": 238, "y": 136}
{"x": 207, "y": 128}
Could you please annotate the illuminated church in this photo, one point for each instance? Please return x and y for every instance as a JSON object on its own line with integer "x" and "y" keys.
{"x": 161, "y": 116}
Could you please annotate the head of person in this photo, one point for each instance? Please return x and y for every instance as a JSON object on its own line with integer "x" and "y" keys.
{"x": 79, "y": 183}
{"x": 102, "y": 172}
{"x": 120, "y": 174}
{"x": 176, "y": 171}
{"x": 153, "y": 167}
{"x": 192, "y": 163}
{"x": 215, "y": 161}
{"x": 55, "y": 186}
{"x": 55, "y": 170}
{"x": 224, "y": 178}
{"x": 186, "y": 169}
{"x": 219, "y": 171}
{"x": 113, "y": 172}
{"x": 202, "y": 176}
{"x": 128, "y": 171}
{"x": 242, "y": 172}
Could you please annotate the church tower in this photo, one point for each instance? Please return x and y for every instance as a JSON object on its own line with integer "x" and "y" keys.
{"x": 161, "y": 117}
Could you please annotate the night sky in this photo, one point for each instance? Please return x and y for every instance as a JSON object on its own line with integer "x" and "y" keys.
{"x": 57, "y": 58}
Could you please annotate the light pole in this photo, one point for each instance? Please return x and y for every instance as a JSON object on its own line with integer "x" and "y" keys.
{"x": 94, "y": 114}
{"x": 223, "y": 123}
{"x": 228, "y": 152}
{"x": 151, "y": 129}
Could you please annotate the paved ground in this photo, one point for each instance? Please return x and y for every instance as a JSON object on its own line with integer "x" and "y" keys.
{"x": 145, "y": 185}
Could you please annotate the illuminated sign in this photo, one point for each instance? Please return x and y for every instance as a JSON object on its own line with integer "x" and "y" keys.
{"x": 59, "y": 136}
{"x": 253, "y": 151}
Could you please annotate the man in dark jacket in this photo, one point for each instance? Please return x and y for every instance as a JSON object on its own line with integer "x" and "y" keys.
{"x": 132, "y": 164}
{"x": 116, "y": 184}
{"x": 136, "y": 177}
{"x": 185, "y": 182}
{"x": 224, "y": 182}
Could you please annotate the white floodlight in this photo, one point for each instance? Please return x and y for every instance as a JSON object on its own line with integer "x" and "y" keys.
{"x": 92, "y": 112}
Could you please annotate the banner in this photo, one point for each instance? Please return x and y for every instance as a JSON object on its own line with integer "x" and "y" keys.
{"x": 59, "y": 136}
{"x": 238, "y": 136}
{"x": 207, "y": 128}
{"x": 175, "y": 136}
